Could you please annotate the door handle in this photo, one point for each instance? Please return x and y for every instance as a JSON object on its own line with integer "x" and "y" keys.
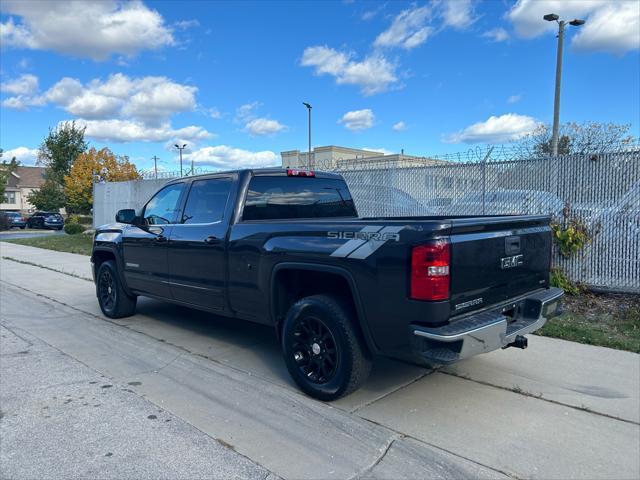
{"x": 210, "y": 240}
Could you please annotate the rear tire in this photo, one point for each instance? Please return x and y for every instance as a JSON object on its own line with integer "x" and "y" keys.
{"x": 114, "y": 301}
{"x": 323, "y": 349}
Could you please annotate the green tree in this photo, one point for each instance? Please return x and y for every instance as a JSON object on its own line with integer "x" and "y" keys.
{"x": 60, "y": 149}
{"x": 5, "y": 170}
{"x": 49, "y": 197}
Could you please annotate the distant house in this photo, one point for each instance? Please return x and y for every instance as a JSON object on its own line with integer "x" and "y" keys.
{"x": 20, "y": 184}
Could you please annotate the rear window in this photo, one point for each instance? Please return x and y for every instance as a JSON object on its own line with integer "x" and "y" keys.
{"x": 274, "y": 197}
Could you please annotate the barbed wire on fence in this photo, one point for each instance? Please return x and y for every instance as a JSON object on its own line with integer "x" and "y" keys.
{"x": 488, "y": 153}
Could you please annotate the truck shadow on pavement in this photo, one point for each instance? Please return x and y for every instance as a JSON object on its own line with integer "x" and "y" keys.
{"x": 249, "y": 347}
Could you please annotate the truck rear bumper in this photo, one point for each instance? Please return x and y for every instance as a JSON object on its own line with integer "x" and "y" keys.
{"x": 486, "y": 331}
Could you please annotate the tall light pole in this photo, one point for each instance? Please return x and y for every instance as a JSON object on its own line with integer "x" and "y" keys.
{"x": 182, "y": 148}
{"x": 155, "y": 164}
{"x": 309, "y": 151}
{"x": 552, "y": 17}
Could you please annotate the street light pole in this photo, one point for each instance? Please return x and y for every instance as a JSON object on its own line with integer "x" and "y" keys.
{"x": 552, "y": 17}
{"x": 182, "y": 148}
{"x": 556, "y": 100}
{"x": 309, "y": 151}
{"x": 155, "y": 164}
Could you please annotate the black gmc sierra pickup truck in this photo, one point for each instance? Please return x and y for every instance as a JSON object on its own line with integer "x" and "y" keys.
{"x": 286, "y": 248}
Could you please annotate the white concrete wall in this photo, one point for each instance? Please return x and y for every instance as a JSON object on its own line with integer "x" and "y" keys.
{"x": 110, "y": 197}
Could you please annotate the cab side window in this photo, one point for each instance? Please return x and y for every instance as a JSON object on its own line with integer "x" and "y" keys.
{"x": 162, "y": 208}
{"x": 207, "y": 201}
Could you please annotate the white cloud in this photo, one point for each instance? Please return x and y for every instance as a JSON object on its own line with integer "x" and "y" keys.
{"x": 264, "y": 126}
{"x": 214, "y": 113}
{"x": 152, "y": 100}
{"x": 358, "y": 120}
{"x": 373, "y": 75}
{"x": 24, "y": 155}
{"x": 614, "y": 28}
{"x": 92, "y": 105}
{"x": 89, "y": 29}
{"x": 514, "y": 98}
{"x": 610, "y": 26}
{"x": 156, "y": 98}
{"x": 502, "y": 129}
{"x": 497, "y": 34}
{"x": 226, "y": 157}
{"x": 116, "y": 130}
{"x": 64, "y": 91}
{"x": 26, "y": 84}
{"x": 186, "y": 24}
{"x": 408, "y": 29}
{"x": 458, "y": 14}
{"x": 257, "y": 126}
{"x": 246, "y": 112}
{"x": 399, "y": 127}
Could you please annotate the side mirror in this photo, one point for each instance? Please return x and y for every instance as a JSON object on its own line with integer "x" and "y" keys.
{"x": 126, "y": 215}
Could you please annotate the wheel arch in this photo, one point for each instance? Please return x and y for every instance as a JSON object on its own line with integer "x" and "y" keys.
{"x": 278, "y": 308}
{"x": 103, "y": 253}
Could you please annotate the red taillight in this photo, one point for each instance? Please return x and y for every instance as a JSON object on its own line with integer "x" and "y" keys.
{"x": 300, "y": 173}
{"x": 430, "y": 271}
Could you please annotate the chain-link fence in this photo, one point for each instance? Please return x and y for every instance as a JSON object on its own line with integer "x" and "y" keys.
{"x": 601, "y": 192}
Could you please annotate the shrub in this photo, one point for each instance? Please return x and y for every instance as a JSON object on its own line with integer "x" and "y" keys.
{"x": 73, "y": 228}
{"x": 559, "y": 279}
{"x": 85, "y": 220}
{"x": 570, "y": 236}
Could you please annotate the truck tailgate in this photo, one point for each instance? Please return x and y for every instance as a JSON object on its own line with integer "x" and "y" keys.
{"x": 494, "y": 259}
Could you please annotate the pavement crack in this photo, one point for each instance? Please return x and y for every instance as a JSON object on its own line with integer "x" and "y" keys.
{"x": 383, "y": 452}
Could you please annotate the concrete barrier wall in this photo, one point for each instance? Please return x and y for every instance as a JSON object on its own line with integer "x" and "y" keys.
{"x": 110, "y": 197}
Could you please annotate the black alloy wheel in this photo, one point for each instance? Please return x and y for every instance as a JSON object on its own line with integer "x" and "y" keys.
{"x": 106, "y": 290}
{"x": 114, "y": 301}
{"x": 323, "y": 347}
{"x": 315, "y": 350}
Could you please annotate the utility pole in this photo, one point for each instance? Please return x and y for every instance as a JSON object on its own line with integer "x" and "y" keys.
{"x": 181, "y": 148}
{"x": 155, "y": 164}
{"x": 552, "y": 17}
{"x": 309, "y": 151}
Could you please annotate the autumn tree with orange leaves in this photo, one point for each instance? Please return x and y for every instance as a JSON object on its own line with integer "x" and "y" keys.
{"x": 78, "y": 185}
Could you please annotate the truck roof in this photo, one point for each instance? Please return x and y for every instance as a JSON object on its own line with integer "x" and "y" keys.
{"x": 272, "y": 171}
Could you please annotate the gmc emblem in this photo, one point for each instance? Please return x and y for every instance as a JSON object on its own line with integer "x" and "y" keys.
{"x": 511, "y": 262}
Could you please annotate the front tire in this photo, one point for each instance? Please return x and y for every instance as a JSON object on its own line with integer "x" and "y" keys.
{"x": 323, "y": 349}
{"x": 114, "y": 301}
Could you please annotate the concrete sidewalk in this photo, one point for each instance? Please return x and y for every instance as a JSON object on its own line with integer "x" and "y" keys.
{"x": 61, "y": 419}
{"x": 556, "y": 410}
{"x": 70, "y": 263}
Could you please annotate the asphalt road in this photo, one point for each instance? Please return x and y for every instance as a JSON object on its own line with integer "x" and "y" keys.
{"x": 556, "y": 410}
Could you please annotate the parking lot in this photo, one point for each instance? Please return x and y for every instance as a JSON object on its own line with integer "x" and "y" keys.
{"x": 193, "y": 395}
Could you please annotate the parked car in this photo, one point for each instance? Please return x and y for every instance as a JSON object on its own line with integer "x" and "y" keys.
{"x": 16, "y": 220}
{"x": 506, "y": 202}
{"x": 384, "y": 201}
{"x": 50, "y": 220}
{"x": 286, "y": 248}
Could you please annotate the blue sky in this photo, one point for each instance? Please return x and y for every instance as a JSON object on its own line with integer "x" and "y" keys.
{"x": 228, "y": 78}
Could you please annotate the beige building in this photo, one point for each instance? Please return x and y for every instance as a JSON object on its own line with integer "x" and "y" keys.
{"x": 334, "y": 157}
{"x": 20, "y": 184}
